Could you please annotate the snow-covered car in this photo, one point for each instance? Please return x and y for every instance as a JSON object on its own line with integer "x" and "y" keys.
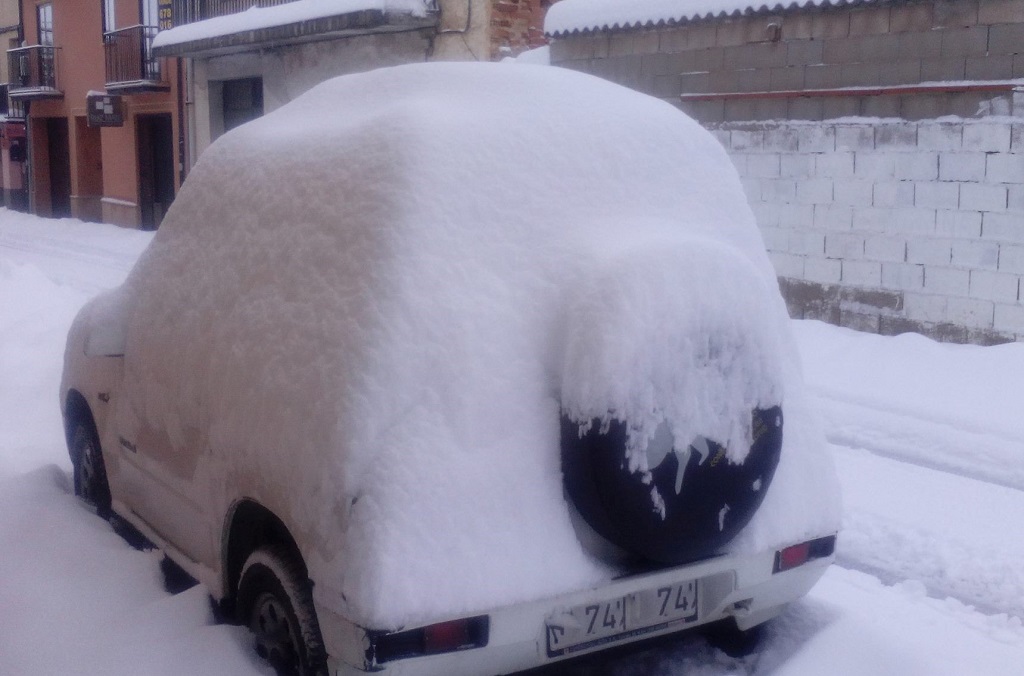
{"x": 458, "y": 369}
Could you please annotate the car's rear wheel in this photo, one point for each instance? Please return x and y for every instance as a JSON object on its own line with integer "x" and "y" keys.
{"x": 276, "y": 603}
{"x": 90, "y": 474}
{"x": 690, "y": 502}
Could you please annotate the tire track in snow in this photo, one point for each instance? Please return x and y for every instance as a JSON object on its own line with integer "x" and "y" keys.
{"x": 946, "y": 446}
{"x": 83, "y": 271}
{"x": 89, "y": 257}
{"x": 956, "y": 535}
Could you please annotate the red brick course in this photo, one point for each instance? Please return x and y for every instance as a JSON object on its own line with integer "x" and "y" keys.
{"x": 517, "y": 25}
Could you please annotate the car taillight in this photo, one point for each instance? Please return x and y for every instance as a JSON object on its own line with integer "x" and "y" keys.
{"x": 446, "y": 636}
{"x": 798, "y": 555}
{"x": 443, "y": 637}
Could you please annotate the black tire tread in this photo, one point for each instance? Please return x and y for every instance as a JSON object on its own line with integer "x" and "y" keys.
{"x": 295, "y": 589}
{"x": 85, "y": 433}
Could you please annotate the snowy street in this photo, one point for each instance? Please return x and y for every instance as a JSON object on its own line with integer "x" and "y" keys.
{"x": 928, "y": 440}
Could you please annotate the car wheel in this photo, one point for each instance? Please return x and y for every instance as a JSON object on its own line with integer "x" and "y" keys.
{"x": 90, "y": 474}
{"x": 275, "y": 601}
{"x": 690, "y": 503}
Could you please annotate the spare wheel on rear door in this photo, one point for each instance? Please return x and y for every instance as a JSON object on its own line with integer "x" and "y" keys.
{"x": 691, "y": 500}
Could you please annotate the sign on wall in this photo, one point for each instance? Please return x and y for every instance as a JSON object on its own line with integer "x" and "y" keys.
{"x": 165, "y": 15}
{"x": 104, "y": 110}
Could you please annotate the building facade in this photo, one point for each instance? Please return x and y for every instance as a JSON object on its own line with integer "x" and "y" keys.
{"x": 881, "y": 144}
{"x": 105, "y": 120}
{"x": 13, "y": 168}
{"x": 102, "y": 114}
{"x": 243, "y": 65}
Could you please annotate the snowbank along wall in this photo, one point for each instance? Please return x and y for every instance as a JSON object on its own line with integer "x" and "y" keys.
{"x": 881, "y": 145}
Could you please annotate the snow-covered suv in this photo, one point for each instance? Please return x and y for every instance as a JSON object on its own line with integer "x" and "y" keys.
{"x": 458, "y": 369}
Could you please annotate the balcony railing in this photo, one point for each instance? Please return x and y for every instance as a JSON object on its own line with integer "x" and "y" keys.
{"x": 33, "y": 72}
{"x": 190, "y": 11}
{"x": 12, "y": 109}
{"x": 130, "y": 63}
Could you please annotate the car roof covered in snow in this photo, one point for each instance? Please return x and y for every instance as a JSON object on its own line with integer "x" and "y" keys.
{"x": 385, "y": 290}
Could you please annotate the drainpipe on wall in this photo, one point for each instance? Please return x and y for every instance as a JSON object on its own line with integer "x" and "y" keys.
{"x": 190, "y": 106}
{"x": 182, "y": 166}
{"x": 30, "y": 156}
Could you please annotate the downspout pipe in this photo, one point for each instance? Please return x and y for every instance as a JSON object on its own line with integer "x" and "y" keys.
{"x": 182, "y": 155}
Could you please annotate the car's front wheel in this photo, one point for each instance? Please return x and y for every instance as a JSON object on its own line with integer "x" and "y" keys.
{"x": 90, "y": 474}
{"x": 275, "y": 601}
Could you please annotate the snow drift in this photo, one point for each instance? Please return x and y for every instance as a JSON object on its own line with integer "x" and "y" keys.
{"x": 377, "y": 299}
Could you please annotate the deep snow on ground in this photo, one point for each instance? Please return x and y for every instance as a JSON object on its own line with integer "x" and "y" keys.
{"x": 927, "y": 437}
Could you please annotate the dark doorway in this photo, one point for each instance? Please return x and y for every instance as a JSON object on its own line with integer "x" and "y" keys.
{"x": 59, "y": 159}
{"x": 156, "y": 167}
{"x": 243, "y": 101}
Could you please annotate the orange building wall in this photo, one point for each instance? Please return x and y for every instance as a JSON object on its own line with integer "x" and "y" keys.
{"x": 107, "y": 168}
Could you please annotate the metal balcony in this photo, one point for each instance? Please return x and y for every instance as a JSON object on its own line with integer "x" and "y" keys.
{"x": 10, "y": 109}
{"x": 347, "y": 21}
{"x": 130, "y": 64}
{"x": 33, "y": 72}
{"x": 190, "y": 11}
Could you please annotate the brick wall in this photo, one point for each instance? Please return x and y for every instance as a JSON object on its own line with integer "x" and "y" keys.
{"x": 892, "y": 226}
{"x": 517, "y": 25}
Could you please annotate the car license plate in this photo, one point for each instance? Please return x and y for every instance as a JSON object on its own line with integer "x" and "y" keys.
{"x": 630, "y": 616}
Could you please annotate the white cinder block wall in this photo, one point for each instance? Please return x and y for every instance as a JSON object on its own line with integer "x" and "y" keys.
{"x": 893, "y": 225}
{"x": 880, "y": 143}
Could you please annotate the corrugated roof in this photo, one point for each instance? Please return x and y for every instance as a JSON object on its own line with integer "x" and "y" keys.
{"x": 578, "y": 16}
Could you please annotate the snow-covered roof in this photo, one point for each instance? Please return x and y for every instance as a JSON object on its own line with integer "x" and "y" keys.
{"x": 572, "y": 16}
{"x": 257, "y": 18}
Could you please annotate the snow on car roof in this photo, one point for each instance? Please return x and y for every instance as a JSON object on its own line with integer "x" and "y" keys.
{"x": 387, "y": 289}
{"x": 571, "y": 16}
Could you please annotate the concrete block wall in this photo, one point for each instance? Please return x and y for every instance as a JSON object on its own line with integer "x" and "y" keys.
{"x": 888, "y": 202}
{"x": 891, "y": 226}
{"x": 888, "y": 43}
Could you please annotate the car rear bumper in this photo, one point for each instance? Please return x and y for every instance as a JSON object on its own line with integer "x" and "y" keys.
{"x": 742, "y": 587}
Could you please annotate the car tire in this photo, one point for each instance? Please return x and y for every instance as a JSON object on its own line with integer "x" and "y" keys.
{"x": 654, "y": 515}
{"x": 90, "y": 473}
{"x": 275, "y": 602}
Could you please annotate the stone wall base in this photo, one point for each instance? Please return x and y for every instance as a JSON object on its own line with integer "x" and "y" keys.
{"x": 120, "y": 212}
{"x": 16, "y": 199}
{"x": 875, "y": 312}
{"x": 87, "y": 208}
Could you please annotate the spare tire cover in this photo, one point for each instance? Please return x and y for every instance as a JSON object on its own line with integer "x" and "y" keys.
{"x": 685, "y": 508}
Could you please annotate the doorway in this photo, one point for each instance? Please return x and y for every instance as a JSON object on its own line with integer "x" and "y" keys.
{"x": 59, "y": 159}
{"x": 242, "y": 101}
{"x": 88, "y": 172}
{"x": 155, "y": 136}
